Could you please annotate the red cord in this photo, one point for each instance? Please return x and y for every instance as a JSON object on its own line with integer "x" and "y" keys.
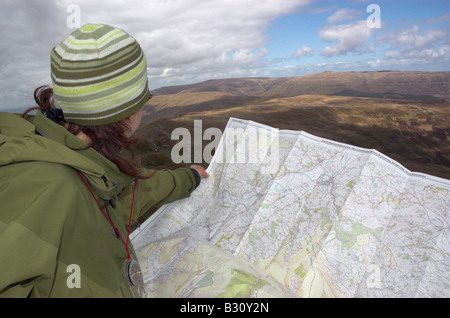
{"x": 107, "y": 217}
{"x": 129, "y": 221}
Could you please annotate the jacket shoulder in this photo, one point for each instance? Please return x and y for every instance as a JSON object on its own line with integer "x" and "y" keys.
{"x": 38, "y": 205}
{"x": 14, "y": 125}
{"x": 36, "y": 191}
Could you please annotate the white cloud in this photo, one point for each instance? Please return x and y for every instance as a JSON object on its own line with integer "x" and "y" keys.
{"x": 193, "y": 37}
{"x": 247, "y": 56}
{"x": 28, "y": 30}
{"x": 184, "y": 40}
{"x": 304, "y": 51}
{"x": 414, "y": 37}
{"x": 343, "y": 15}
{"x": 350, "y": 37}
{"x": 417, "y": 46}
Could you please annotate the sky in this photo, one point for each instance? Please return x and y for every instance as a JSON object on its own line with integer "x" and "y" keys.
{"x": 189, "y": 41}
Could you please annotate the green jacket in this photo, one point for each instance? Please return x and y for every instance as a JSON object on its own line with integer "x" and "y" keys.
{"x": 54, "y": 239}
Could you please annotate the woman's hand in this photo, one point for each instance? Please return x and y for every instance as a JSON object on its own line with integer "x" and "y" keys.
{"x": 201, "y": 171}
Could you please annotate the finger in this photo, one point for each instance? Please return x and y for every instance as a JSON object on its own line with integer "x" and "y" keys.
{"x": 201, "y": 171}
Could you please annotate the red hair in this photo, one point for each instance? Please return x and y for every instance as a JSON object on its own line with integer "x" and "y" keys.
{"x": 109, "y": 140}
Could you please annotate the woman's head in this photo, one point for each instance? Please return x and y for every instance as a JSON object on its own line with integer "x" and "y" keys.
{"x": 99, "y": 77}
{"x": 110, "y": 140}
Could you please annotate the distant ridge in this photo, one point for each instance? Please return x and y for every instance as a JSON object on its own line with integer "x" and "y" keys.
{"x": 410, "y": 85}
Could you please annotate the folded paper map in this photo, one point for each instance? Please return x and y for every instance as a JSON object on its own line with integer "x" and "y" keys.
{"x": 288, "y": 214}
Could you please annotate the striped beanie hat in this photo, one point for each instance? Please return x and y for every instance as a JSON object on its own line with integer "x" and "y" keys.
{"x": 99, "y": 76}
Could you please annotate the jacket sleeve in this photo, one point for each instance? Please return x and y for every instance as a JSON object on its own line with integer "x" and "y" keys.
{"x": 164, "y": 186}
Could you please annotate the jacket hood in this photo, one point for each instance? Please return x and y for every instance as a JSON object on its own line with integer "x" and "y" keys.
{"x": 19, "y": 142}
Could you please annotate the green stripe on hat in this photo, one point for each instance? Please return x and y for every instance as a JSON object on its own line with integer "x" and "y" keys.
{"x": 76, "y": 90}
{"x": 99, "y": 75}
{"x": 75, "y": 71}
{"x": 97, "y": 101}
{"x": 104, "y": 118}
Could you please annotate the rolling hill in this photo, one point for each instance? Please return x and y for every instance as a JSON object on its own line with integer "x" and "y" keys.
{"x": 404, "y": 115}
{"x": 384, "y": 84}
